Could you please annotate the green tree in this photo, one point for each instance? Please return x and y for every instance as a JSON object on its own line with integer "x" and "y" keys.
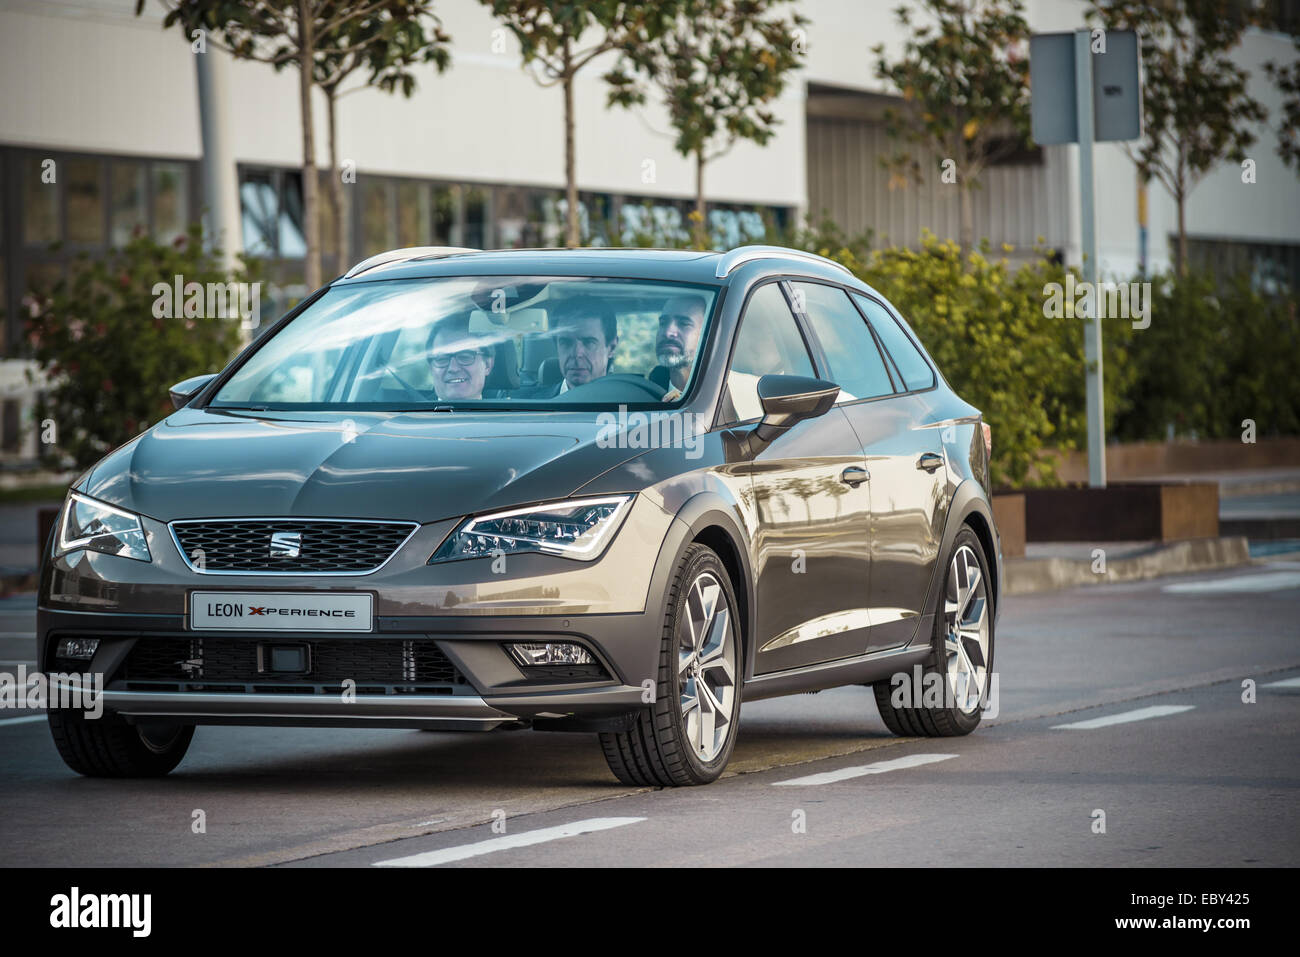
{"x": 311, "y": 35}
{"x": 1287, "y": 78}
{"x": 108, "y": 358}
{"x": 387, "y": 43}
{"x": 719, "y": 67}
{"x": 551, "y": 35}
{"x": 964, "y": 78}
{"x": 1196, "y": 108}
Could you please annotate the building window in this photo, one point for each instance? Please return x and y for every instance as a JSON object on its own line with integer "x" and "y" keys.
{"x": 475, "y": 230}
{"x": 171, "y": 190}
{"x": 258, "y": 207}
{"x": 271, "y": 213}
{"x": 378, "y": 231}
{"x": 128, "y": 208}
{"x": 40, "y": 203}
{"x": 84, "y": 192}
{"x": 446, "y": 205}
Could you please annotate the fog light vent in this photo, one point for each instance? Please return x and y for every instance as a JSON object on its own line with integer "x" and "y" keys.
{"x": 81, "y": 649}
{"x": 533, "y": 653}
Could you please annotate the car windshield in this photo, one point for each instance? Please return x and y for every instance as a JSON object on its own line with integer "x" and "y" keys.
{"x": 481, "y": 342}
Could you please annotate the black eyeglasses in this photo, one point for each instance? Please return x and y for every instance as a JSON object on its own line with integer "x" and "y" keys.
{"x": 465, "y": 357}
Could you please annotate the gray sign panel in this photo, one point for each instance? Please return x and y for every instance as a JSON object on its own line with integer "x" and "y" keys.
{"x": 1116, "y": 90}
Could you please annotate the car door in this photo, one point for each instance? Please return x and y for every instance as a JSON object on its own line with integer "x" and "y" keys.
{"x": 811, "y": 506}
{"x": 905, "y": 456}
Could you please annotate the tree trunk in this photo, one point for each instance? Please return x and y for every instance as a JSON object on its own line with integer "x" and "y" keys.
{"x": 1180, "y": 198}
{"x": 573, "y": 234}
{"x": 1181, "y": 255}
{"x": 967, "y": 235}
{"x": 341, "y": 232}
{"x": 701, "y": 223}
{"x": 310, "y": 182}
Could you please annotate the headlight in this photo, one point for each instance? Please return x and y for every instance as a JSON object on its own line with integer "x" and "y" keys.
{"x": 578, "y": 529}
{"x": 100, "y": 527}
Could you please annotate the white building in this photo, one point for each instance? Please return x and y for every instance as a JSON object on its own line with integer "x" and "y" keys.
{"x": 475, "y": 156}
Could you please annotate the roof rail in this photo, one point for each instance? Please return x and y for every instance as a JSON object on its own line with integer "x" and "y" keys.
{"x": 402, "y": 255}
{"x": 742, "y": 254}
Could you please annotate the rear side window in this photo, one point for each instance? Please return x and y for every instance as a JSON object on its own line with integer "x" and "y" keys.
{"x": 768, "y": 343}
{"x": 855, "y": 362}
{"x": 911, "y": 365}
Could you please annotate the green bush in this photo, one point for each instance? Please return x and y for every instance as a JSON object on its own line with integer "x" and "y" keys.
{"x": 985, "y": 324}
{"x": 108, "y": 361}
{"x": 1212, "y": 358}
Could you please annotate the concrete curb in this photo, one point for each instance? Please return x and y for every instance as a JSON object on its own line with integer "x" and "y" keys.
{"x": 1027, "y": 575}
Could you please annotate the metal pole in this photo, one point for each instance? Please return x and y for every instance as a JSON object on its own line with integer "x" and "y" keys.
{"x": 217, "y": 166}
{"x": 1088, "y": 236}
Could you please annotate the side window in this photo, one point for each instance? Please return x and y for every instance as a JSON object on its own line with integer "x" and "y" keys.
{"x": 916, "y": 372}
{"x": 855, "y": 362}
{"x": 768, "y": 343}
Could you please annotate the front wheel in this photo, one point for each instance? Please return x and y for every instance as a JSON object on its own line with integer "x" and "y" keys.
{"x": 687, "y": 734}
{"x": 954, "y": 684}
{"x": 108, "y": 747}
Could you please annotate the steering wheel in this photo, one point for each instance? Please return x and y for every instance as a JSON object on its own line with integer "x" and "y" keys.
{"x": 589, "y": 390}
{"x": 409, "y": 389}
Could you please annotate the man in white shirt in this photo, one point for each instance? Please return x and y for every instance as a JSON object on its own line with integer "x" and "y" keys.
{"x": 586, "y": 339}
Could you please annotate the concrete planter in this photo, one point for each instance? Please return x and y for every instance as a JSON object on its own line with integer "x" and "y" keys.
{"x": 1009, "y": 513}
{"x": 1131, "y": 511}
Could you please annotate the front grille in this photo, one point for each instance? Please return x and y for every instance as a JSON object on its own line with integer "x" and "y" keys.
{"x": 375, "y": 665}
{"x": 244, "y": 545}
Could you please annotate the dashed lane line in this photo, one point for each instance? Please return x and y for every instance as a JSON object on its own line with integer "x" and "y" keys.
{"x": 1124, "y": 717}
{"x": 526, "y": 839}
{"x": 879, "y": 767}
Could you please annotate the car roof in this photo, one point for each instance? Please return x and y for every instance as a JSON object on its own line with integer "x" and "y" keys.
{"x": 678, "y": 265}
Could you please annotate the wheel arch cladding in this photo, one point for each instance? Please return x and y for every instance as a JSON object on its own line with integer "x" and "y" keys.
{"x": 717, "y": 539}
{"x": 979, "y": 524}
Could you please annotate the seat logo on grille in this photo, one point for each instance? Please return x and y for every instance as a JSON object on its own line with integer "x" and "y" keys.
{"x": 285, "y": 544}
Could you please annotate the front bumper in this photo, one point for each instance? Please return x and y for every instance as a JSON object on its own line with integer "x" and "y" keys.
{"x": 478, "y": 685}
{"x": 463, "y": 613}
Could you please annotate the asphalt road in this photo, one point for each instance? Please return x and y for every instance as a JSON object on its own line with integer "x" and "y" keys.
{"x": 1195, "y": 777}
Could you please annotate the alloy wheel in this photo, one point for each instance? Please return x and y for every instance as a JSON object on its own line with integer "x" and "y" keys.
{"x": 966, "y": 634}
{"x": 706, "y": 666}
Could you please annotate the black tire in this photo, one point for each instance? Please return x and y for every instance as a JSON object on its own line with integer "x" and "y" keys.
{"x": 108, "y": 747}
{"x": 924, "y": 719}
{"x": 657, "y": 752}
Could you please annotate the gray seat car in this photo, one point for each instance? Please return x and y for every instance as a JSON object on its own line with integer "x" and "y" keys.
{"x": 727, "y": 476}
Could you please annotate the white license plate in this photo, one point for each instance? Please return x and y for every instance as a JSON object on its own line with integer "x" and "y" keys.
{"x": 280, "y": 611}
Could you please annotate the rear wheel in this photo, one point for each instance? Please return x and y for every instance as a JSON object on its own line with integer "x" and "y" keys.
{"x": 955, "y": 681}
{"x": 687, "y": 735}
{"x": 108, "y": 747}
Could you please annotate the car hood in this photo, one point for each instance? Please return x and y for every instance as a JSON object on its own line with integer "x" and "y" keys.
{"x": 422, "y": 466}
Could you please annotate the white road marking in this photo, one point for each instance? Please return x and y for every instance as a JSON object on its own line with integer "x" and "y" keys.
{"x": 508, "y": 842}
{"x": 1269, "y": 581}
{"x": 34, "y": 717}
{"x": 1124, "y": 717}
{"x": 880, "y": 767}
{"x": 1284, "y": 683}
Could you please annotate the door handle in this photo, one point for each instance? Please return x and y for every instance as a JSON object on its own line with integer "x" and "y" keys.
{"x": 854, "y": 475}
{"x": 929, "y": 462}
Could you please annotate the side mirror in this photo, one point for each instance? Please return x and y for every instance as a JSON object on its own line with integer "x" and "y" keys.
{"x": 789, "y": 399}
{"x": 183, "y": 391}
